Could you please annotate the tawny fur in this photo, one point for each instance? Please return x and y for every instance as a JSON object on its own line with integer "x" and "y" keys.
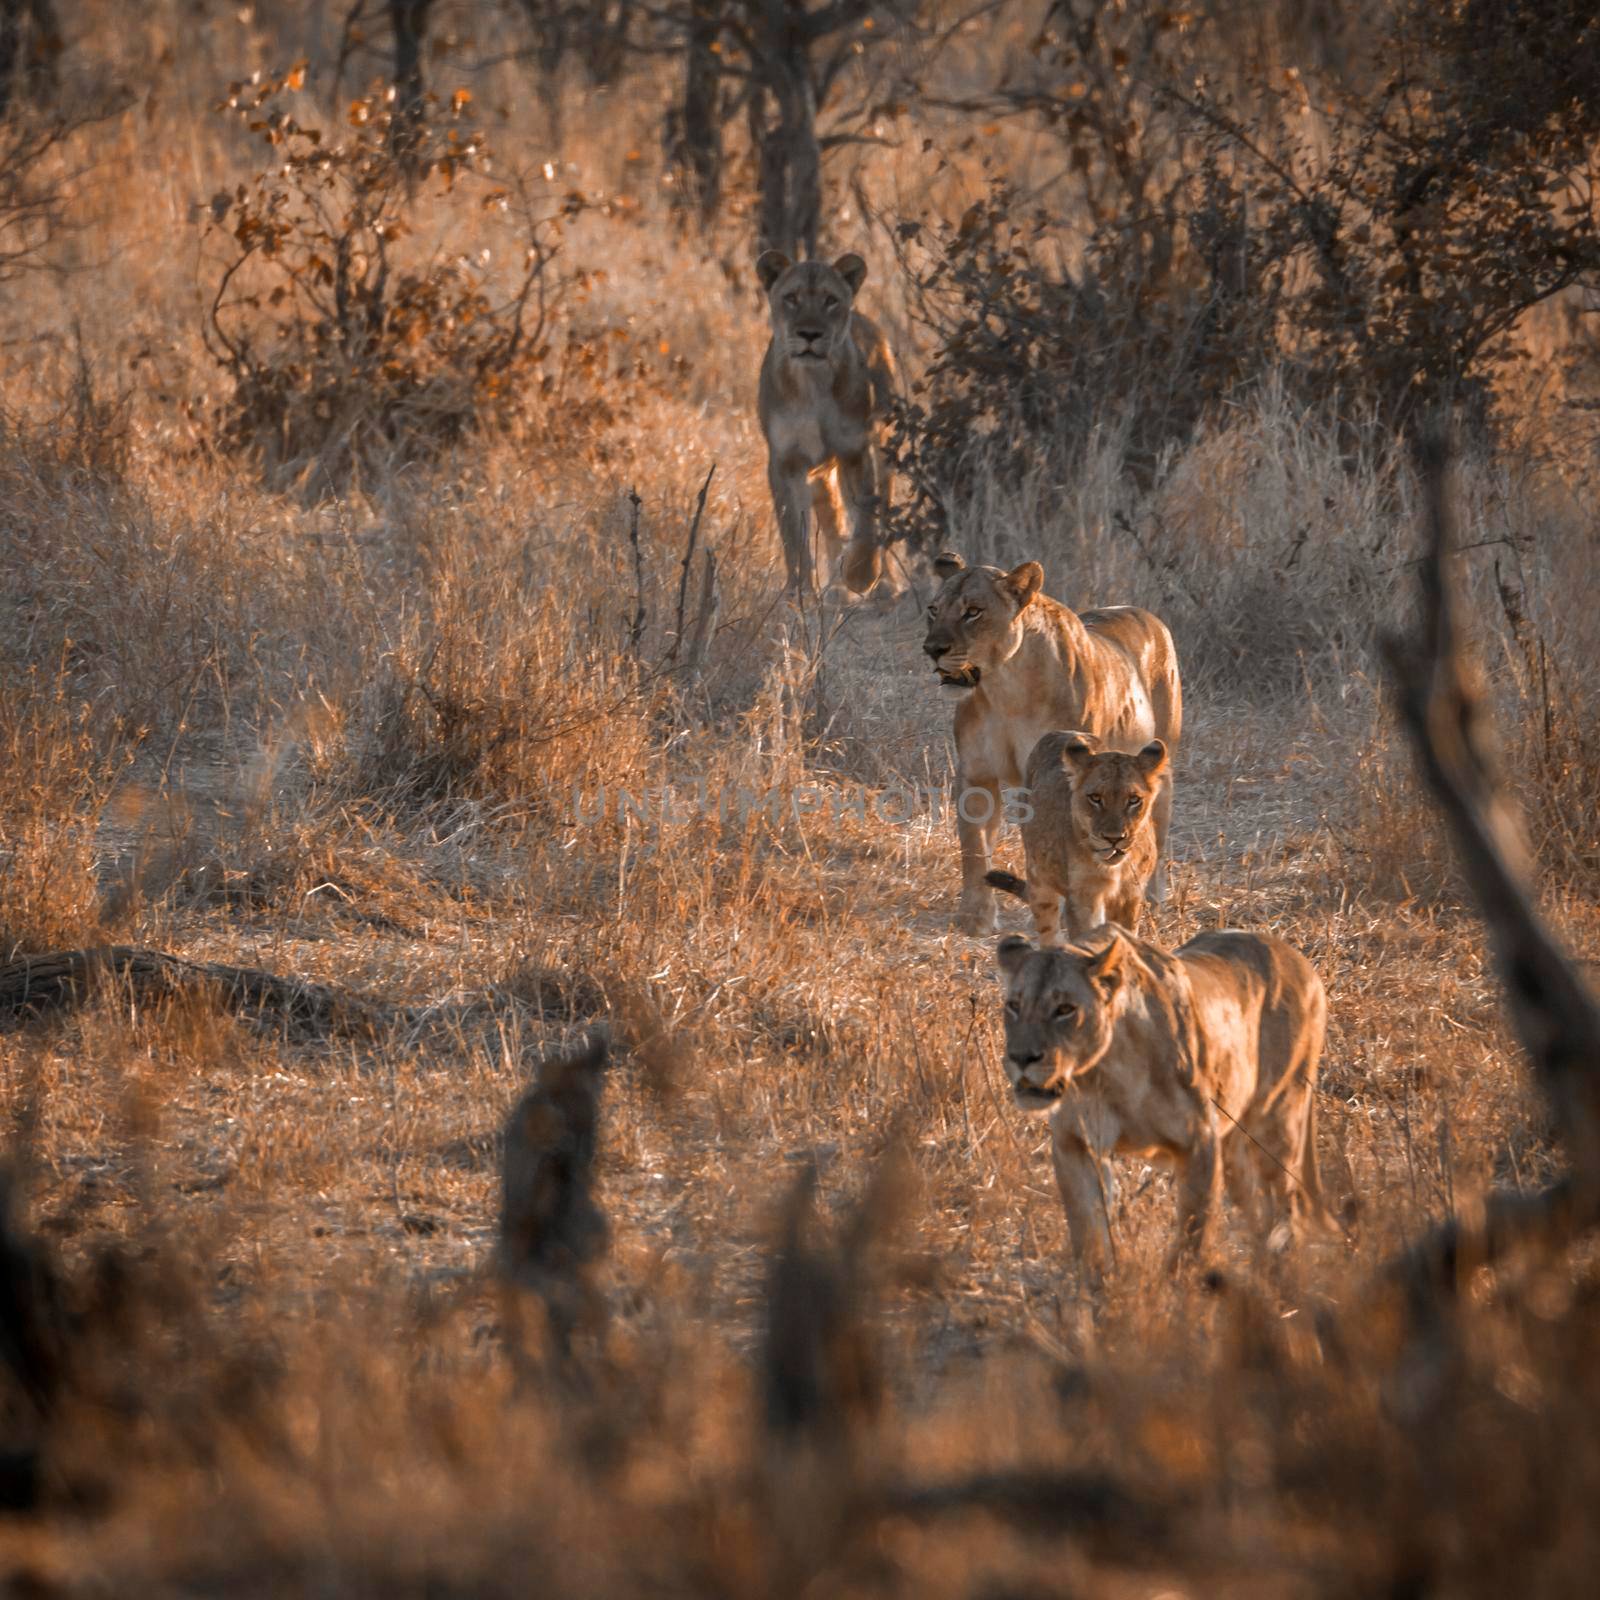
{"x": 825, "y": 382}
{"x": 1088, "y": 833}
{"x": 1196, "y": 1055}
{"x": 1026, "y": 665}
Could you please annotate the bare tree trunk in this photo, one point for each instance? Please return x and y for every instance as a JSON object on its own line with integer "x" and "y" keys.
{"x": 30, "y": 40}
{"x": 548, "y": 24}
{"x": 595, "y": 30}
{"x": 789, "y": 159}
{"x": 608, "y": 43}
{"x": 696, "y": 137}
{"x": 409, "y": 21}
{"x": 790, "y": 166}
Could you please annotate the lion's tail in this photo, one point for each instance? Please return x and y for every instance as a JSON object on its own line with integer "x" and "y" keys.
{"x": 1008, "y": 881}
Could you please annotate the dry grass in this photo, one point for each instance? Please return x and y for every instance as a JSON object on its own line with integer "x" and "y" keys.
{"x": 383, "y": 741}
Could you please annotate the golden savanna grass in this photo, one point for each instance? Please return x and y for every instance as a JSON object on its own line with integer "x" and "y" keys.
{"x": 381, "y": 737}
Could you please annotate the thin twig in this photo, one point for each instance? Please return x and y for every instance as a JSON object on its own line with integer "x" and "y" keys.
{"x": 688, "y": 557}
{"x": 637, "y": 627}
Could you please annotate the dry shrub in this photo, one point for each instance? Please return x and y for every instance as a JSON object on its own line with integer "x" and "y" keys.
{"x": 57, "y": 768}
{"x": 1552, "y": 755}
{"x": 494, "y": 696}
{"x": 350, "y": 351}
{"x": 167, "y": 588}
{"x": 1392, "y": 850}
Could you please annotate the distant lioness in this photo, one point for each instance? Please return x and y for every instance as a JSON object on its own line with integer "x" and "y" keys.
{"x": 1090, "y": 838}
{"x": 827, "y": 374}
{"x": 1025, "y": 664}
{"x": 1174, "y": 1055}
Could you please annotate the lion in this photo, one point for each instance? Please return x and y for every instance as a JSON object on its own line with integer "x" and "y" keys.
{"x": 1025, "y": 665}
{"x": 825, "y": 380}
{"x": 1178, "y": 1055}
{"x": 1088, "y": 836}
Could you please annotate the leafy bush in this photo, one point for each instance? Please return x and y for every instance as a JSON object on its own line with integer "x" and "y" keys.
{"x": 343, "y": 353}
{"x": 1032, "y": 356}
{"x": 1373, "y": 237}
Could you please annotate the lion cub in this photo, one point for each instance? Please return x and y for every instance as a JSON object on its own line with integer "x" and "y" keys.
{"x": 1090, "y": 842}
{"x": 1174, "y": 1055}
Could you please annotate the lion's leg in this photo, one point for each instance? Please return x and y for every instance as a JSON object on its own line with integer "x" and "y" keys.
{"x": 1124, "y": 906}
{"x": 791, "y": 501}
{"x": 1161, "y": 816}
{"x": 1287, "y": 1154}
{"x": 977, "y": 826}
{"x": 1243, "y": 1181}
{"x": 1086, "y": 1187}
{"x": 828, "y": 519}
{"x": 1086, "y": 910}
{"x": 863, "y": 557}
{"x": 1199, "y": 1189}
{"x": 1045, "y": 905}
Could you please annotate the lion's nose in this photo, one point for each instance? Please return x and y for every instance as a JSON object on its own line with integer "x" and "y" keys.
{"x": 934, "y": 650}
{"x": 810, "y": 335}
{"x": 1022, "y": 1060}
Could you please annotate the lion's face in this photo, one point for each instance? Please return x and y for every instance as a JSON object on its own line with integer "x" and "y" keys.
{"x": 1061, "y": 1008}
{"x": 810, "y": 304}
{"x": 1112, "y": 794}
{"x": 974, "y": 621}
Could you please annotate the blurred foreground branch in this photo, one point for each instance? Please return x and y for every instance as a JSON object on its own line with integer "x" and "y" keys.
{"x": 1441, "y": 702}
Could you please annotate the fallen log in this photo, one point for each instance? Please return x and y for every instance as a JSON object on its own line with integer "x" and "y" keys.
{"x": 35, "y": 985}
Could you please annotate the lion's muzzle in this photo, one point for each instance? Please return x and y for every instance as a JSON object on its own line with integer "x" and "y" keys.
{"x": 1025, "y": 1069}
{"x": 954, "y": 675}
{"x": 1030, "y": 1097}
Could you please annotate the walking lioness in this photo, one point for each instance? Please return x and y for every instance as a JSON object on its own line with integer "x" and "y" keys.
{"x": 1025, "y": 664}
{"x": 1090, "y": 836}
{"x": 1180, "y": 1055}
{"x": 824, "y": 382}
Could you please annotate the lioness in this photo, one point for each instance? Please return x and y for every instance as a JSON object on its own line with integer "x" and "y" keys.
{"x": 824, "y": 382}
{"x": 1142, "y": 1051}
{"x": 1089, "y": 838}
{"x": 1025, "y": 664}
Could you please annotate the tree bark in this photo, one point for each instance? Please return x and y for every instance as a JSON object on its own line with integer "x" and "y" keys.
{"x": 409, "y": 21}
{"x": 790, "y": 163}
{"x": 30, "y": 40}
{"x": 698, "y": 144}
{"x": 783, "y": 128}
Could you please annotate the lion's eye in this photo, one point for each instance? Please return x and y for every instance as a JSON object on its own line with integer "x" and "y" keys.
{"x": 1066, "y": 1011}
{"x": 792, "y": 301}
{"x": 831, "y": 301}
{"x": 1012, "y": 1008}
{"x": 1096, "y": 801}
{"x": 1134, "y": 803}
{"x": 972, "y": 613}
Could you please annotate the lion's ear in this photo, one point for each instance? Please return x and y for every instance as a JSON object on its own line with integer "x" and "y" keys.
{"x": 1024, "y": 582}
{"x": 1080, "y": 748}
{"x": 947, "y": 564}
{"x": 1011, "y": 952}
{"x": 1152, "y": 759}
{"x": 853, "y": 270}
{"x": 1104, "y": 968}
{"x": 771, "y": 266}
